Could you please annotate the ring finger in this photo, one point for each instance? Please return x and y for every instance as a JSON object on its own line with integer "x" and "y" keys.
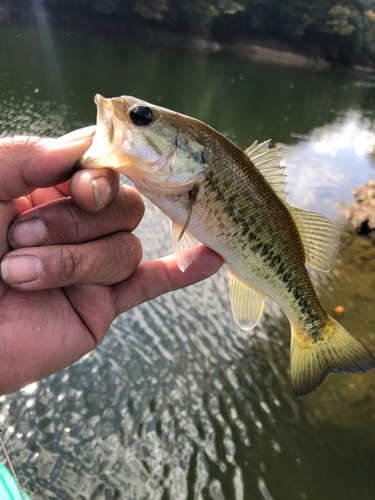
{"x": 106, "y": 260}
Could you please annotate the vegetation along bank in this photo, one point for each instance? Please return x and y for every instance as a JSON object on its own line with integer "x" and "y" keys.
{"x": 338, "y": 31}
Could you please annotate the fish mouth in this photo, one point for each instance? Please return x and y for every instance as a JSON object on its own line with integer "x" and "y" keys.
{"x": 108, "y": 140}
{"x": 109, "y": 146}
{"x": 113, "y": 147}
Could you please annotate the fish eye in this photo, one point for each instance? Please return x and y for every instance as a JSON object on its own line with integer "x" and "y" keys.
{"x": 141, "y": 115}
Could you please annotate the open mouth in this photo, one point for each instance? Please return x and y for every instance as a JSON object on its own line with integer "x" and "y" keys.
{"x": 102, "y": 152}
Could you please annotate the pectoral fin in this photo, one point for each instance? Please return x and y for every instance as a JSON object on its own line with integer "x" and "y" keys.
{"x": 192, "y": 196}
{"x": 182, "y": 241}
{"x": 247, "y": 304}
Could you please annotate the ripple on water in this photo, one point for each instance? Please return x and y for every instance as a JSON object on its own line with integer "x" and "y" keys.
{"x": 177, "y": 402}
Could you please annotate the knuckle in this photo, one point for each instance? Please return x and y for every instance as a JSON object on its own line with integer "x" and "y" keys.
{"x": 24, "y": 149}
{"x": 123, "y": 255}
{"x": 146, "y": 291}
{"x": 17, "y": 153}
{"x": 133, "y": 205}
{"x": 127, "y": 247}
{"x": 170, "y": 282}
{"x": 72, "y": 264}
{"x": 72, "y": 230}
{"x": 135, "y": 249}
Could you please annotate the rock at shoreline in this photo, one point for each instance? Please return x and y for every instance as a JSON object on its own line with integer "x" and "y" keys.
{"x": 361, "y": 212}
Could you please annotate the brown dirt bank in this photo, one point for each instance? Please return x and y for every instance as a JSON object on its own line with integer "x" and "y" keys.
{"x": 267, "y": 50}
{"x": 265, "y": 53}
{"x": 361, "y": 212}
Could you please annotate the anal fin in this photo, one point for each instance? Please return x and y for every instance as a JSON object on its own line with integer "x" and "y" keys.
{"x": 247, "y": 304}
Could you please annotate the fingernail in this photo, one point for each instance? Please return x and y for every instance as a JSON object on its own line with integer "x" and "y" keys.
{"x": 28, "y": 233}
{"x": 21, "y": 269}
{"x": 79, "y": 135}
{"x": 102, "y": 190}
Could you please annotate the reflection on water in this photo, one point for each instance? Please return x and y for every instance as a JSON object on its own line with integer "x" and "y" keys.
{"x": 351, "y": 285}
{"x": 177, "y": 402}
{"x": 327, "y": 163}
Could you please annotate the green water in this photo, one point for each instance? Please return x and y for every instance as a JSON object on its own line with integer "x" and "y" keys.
{"x": 177, "y": 402}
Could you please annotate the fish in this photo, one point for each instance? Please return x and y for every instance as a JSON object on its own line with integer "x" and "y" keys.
{"x": 234, "y": 202}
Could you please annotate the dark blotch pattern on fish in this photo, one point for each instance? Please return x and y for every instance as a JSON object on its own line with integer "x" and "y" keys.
{"x": 253, "y": 227}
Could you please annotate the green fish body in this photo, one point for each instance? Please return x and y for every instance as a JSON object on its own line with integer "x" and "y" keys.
{"x": 234, "y": 202}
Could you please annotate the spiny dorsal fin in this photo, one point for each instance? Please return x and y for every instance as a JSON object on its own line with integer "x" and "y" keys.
{"x": 267, "y": 162}
{"x": 320, "y": 238}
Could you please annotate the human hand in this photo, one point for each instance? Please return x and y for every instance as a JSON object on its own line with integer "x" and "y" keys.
{"x": 75, "y": 264}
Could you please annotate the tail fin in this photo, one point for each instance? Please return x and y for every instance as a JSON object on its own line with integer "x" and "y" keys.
{"x": 334, "y": 350}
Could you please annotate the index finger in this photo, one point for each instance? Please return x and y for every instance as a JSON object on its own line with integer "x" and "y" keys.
{"x": 156, "y": 277}
{"x": 28, "y": 163}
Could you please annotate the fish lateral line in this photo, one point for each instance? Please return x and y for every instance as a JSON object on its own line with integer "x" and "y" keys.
{"x": 244, "y": 191}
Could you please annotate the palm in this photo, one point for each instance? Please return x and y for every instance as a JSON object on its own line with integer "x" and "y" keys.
{"x": 45, "y": 330}
{"x": 46, "y": 325}
{"x": 43, "y": 324}
{"x": 84, "y": 259}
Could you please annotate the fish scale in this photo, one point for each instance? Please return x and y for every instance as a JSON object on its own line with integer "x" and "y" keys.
{"x": 234, "y": 202}
{"x": 250, "y": 221}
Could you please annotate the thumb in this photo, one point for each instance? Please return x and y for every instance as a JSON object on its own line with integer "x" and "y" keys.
{"x": 28, "y": 163}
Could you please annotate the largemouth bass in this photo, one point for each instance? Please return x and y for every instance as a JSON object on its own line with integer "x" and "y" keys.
{"x": 234, "y": 202}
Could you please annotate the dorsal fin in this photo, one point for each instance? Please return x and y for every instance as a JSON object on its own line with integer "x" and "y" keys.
{"x": 267, "y": 161}
{"x": 320, "y": 238}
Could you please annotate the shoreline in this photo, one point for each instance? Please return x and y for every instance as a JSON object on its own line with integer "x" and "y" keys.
{"x": 264, "y": 51}
{"x": 259, "y": 52}
{"x": 267, "y": 50}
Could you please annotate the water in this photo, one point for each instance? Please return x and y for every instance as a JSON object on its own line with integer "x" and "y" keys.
{"x": 177, "y": 402}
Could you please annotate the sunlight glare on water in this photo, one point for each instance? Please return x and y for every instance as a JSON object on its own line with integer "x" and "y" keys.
{"x": 49, "y": 47}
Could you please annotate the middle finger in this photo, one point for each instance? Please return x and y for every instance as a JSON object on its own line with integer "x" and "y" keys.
{"x": 62, "y": 222}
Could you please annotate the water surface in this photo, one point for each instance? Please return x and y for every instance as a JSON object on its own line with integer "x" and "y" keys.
{"x": 178, "y": 402}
